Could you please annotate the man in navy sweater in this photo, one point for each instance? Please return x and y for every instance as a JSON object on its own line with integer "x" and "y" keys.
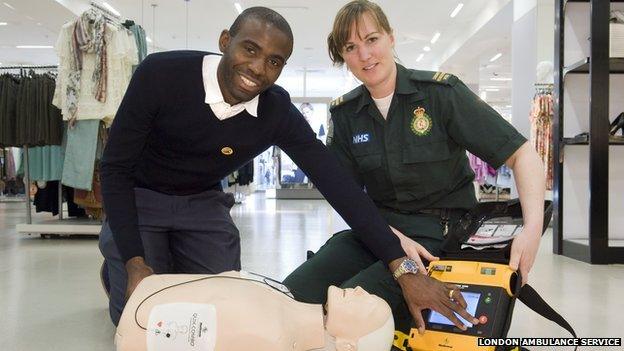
{"x": 187, "y": 120}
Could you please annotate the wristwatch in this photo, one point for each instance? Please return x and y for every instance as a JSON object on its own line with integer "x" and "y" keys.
{"x": 407, "y": 266}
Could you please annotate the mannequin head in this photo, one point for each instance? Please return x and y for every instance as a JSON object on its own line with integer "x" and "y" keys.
{"x": 358, "y": 320}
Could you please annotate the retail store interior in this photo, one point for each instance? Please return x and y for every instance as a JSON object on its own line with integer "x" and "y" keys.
{"x": 552, "y": 68}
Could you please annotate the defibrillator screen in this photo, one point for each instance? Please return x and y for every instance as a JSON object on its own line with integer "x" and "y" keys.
{"x": 472, "y": 300}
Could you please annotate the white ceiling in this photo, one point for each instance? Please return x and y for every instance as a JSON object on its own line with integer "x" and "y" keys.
{"x": 467, "y": 42}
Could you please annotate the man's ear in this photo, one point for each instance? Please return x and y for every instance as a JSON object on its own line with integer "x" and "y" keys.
{"x": 224, "y": 40}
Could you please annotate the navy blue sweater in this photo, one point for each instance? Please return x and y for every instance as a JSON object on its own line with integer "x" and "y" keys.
{"x": 167, "y": 139}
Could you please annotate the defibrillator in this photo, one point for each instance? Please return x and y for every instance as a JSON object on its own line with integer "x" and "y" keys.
{"x": 475, "y": 259}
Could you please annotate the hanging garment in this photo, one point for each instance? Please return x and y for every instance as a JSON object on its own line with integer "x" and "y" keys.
{"x": 46, "y": 200}
{"x": 80, "y": 152}
{"x": 245, "y": 174}
{"x": 27, "y": 116}
{"x": 45, "y": 163}
{"x": 91, "y": 200}
{"x": 479, "y": 167}
{"x": 541, "y": 119}
{"x": 504, "y": 177}
{"x": 38, "y": 122}
{"x": 88, "y": 33}
{"x": 79, "y": 96}
{"x": 9, "y": 166}
{"x": 139, "y": 37}
{"x": 9, "y": 85}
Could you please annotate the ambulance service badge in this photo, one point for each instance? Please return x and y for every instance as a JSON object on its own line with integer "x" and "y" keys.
{"x": 421, "y": 123}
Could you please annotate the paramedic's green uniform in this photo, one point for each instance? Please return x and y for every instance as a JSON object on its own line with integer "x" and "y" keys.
{"x": 414, "y": 166}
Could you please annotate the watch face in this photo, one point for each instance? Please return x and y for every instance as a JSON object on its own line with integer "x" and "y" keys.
{"x": 410, "y": 266}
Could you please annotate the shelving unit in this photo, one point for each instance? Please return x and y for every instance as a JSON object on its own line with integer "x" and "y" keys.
{"x": 587, "y": 221}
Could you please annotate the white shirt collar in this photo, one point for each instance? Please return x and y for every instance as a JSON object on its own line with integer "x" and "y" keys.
{"x": 214, "y": 97}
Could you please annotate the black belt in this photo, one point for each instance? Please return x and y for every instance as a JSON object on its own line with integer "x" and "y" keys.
{"x": 443, "y": 213}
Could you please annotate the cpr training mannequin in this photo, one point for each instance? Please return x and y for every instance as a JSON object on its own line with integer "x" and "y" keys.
{"x": 236, "y": 311}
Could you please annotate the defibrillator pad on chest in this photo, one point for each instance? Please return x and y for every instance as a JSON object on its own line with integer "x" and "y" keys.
{"x": 182, "y": 327}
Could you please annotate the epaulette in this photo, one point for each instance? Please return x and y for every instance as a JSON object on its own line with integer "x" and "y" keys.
{"x": 435, "y": 77}
{"x": 344, "y": 98}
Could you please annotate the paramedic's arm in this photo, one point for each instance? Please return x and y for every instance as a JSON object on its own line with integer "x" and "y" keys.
{"x": 529, "y": 176}
{"x": 126, "y": 142}
{"x": 473, "y": 124}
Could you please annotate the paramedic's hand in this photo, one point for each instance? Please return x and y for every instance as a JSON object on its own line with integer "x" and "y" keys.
{"x": 414, "y": 250}
{"x": 523, "y": 251}
{"x": 423, "y": 292}
{"x": 137, "y": 270}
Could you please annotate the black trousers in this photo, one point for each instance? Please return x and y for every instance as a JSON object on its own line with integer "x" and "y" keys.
{"x": 191, "y": 234}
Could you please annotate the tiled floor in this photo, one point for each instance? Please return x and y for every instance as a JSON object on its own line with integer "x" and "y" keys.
{"x": 51, "y": 298}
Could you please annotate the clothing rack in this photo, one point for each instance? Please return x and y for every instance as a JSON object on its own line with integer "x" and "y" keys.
{"x": 107, "y": 13}
{"x": 22, "y": 69}
{"x": 57, "y": 226}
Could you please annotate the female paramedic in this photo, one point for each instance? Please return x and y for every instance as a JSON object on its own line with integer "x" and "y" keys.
{"x": 404, "y": 135}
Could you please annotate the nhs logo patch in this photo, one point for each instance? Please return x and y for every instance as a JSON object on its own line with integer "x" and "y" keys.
{"x": 361, "y": 138}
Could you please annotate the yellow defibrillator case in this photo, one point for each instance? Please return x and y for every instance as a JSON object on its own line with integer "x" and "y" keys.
{"x": 489, "y": 290}
{"x": 488, "y": 285}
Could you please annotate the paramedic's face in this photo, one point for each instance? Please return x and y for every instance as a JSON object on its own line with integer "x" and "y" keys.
{"x": 252, "y": 60}
{"x": 369, "y": 53}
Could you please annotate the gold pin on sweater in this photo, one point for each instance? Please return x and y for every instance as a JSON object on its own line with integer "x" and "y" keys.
{"x": 227, "y": 151}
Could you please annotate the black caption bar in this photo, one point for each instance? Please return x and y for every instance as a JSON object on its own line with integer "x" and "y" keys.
{"x": 605, "y": 342}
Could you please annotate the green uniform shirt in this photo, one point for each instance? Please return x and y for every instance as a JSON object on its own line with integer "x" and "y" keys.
{"x": 416, "y": 158}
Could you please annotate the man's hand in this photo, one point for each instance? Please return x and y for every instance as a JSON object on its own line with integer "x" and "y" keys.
{"x": 523, "y": 251}
{"x": 414, "y": 250}
{"x": 137, "y": 270}
{"x": 423, "y": 292}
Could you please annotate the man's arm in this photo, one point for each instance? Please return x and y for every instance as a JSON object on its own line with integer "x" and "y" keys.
{"x": 125, "y": 144}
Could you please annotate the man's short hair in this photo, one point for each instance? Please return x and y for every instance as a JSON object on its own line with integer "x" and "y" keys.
{"x": 263, "y": 14}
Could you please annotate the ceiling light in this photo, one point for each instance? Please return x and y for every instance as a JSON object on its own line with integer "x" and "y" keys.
{"x": 239, "y": 8}
{"x": 483, "y": 95}
{"x": 148, "y": 39}
{"x": 492, "y": 89}
{"x": 3, "y": 24}
{"x": 9, "y": 6}
{"x": 501, "y": 79}
{"x": 111, "y": 9}
{"x": 496, "y": 57}
{"x": 427, "y": 49}
{"x": 435, "y": 37}
{"x": 35, "y": 47}
{"x": 457, "y": 9}
{"x": 420, "y": 57}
